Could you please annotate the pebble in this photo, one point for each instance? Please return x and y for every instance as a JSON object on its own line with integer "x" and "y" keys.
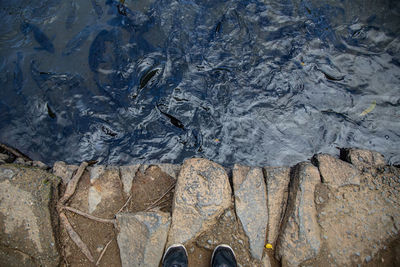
{"x": 368, "y": 258}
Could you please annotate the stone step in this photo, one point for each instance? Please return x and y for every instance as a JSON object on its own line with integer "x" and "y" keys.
{"x": 328, "y": 211}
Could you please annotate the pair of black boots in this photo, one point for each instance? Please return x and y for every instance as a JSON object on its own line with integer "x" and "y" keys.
{"x": 176, "y": 256}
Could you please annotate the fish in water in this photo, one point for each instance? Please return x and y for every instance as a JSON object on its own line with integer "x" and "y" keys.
{"x": 51, "y": 112}
{"x": 97, "y": 50}
{"x": 77, "y": 41}
{"x": 18, "y": 76}
{"x": 97, "y": 8}
{"x": 176, "y": 122}
{"x": 147, "y": 77}
{"x": 71, "y": 18}
{"x": 122, "y": 8}
{"x": 332, "y": 77}
{"x": 40, "y": 37}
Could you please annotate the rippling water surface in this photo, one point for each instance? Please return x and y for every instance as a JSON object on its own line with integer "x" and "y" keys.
{"x": 251, "y": 82}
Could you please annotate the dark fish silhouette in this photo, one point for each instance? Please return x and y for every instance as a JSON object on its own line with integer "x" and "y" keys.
{"x": 18, "y": 76}
{"x": 97, "y": 8}
{"x": 174, "y": 121}
{"x": 40, "y": 37}
{"x": 71, "y": 18}
{"x": 122, "y": 8}
{"x": 108, "y": 131}
{"x": 218, "y": 27}
{"x": 97, "y": 50}
{"x": 331, "y": 76}
{"x": 147, "y": 77}
{"x": 51, "y": 112}
{"x": 77, "y": 41}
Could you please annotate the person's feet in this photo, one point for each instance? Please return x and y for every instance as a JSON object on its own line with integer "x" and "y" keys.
{"x": 175, "y": 256}
{"x": 223, "y": 256}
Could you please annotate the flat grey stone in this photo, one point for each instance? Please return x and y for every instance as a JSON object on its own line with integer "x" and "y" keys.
{"x": 336, "y": 172}
{"x": 142, "y": 237}
{"x": 202, "y": 193}
{"x": 127, "y": 175}
{"x": 64, "y": 171}
{"x": 277, "y": 180}
{"x": 251, "y": 206}
{"x": 26, "y": 234}
{"x": 300, "y": 237}
{"x": 104, "y": 195}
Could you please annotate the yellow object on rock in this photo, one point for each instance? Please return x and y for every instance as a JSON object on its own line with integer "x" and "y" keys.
{"x": 268, "y": 246}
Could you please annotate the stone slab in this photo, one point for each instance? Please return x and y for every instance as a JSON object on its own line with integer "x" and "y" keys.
{"x": 300, "y": 237}
{"x": 64, "y": 171}
{"x": 26, "y": 196}
{"x": 142, "y": 237}
{"x": 358, "y": 223}
{"x": 362, "y": 158}
{"x": 277, "y": 180}
{"x": 128, "y": 173}
{"x": 335, "y": 172}
{"x": 251, "y": 206}
{"x": 202, "y": 193}
{"x": 99, "y": 192}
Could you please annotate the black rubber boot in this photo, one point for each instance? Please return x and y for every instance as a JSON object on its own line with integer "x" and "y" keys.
{"x": 223, "y": 256}
{"x": 175, "y": 256}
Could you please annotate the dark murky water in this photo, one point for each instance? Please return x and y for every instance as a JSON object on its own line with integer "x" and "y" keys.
{"x": 253, "y": 82}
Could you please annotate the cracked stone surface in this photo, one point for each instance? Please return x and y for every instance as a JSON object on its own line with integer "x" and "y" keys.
{"x": 64, "y": 171}
{"x": 362, "y": 158}
{"x": 359, "y": 221}
{"x": 25, "y": 218}
{"x": 300, "y": 237}
{"x": 336, "y": 172}
{"x": 127, "y": 175}
{"x": 202, "y": 193}
{"x": 99, "y": 192}
{"x": 251, "y": 206}
{"x": 277, "y": 180}
{"x": 142, "y": 237}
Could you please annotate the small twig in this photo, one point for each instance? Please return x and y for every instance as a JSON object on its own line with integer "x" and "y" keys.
{"x": 75, "y": 237}
{"x": 156, "y": 202}
{"x": 84, "y": 214}
{"x": 126, "y": 203}
{"x": 71, "y": 186}
{"x": 15, "y": 152}
{"x": 103, "y": 252}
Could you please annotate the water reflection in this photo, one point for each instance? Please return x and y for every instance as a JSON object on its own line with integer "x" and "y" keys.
{"x": 255, "y": 82}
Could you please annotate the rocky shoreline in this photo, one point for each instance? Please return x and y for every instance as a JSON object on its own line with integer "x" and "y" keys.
{"x": 329, "y": 211}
